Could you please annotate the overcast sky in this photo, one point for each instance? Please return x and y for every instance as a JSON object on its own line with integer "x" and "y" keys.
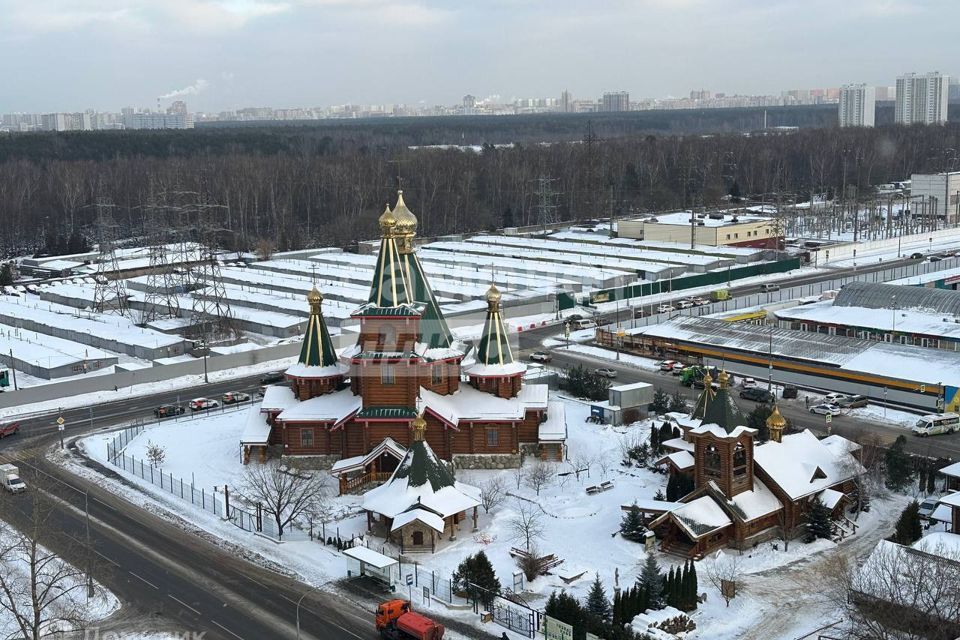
{"x": 69, "y": 55}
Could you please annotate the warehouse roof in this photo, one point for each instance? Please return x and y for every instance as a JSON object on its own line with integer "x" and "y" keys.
{"x": 891, "y": 296}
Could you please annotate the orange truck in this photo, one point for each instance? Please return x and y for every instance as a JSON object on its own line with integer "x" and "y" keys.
{"x": 396, "y": 620}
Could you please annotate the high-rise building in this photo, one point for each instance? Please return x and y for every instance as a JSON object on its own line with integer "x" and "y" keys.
{"x": 922, "y": 99}
{"x": 857, "y": 105}
{"x": 566, "y": 102}
{"x": 616, "y": 101}
{"x": 179, "y": 107}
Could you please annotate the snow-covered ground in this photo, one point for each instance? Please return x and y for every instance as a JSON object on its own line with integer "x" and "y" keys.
{"x": 579, "y": 528}
{"x": 62, "y": 579}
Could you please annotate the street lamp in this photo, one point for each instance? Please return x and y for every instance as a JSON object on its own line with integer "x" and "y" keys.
{"x": 894, "y": 330}
{"x": 299, "y": 602}
{"x": 206, "y": 350}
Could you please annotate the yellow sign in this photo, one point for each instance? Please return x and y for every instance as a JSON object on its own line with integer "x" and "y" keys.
{"x": 60, "y": 420}
{"x": 600, "y": 297}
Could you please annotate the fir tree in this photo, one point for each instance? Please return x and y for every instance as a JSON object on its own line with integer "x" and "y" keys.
{"x": 661, "y": 402}
{"x": 476, "y": 577}
{"x": 597, "y": 603}
{"x": 666, "y": 432}
{"x": 631, "y": 525}
{"x": 922, "y": 477}
{"x": 757, "y": 419}
{"x": 654, "y": 440}
{"x": 6, "y": 275}
{"x": 898, "y": 465}
{"x": 678, "y": 403}
{"x": 819, "y": 523}
{"x": 693, "y": 588}
{"x": 932, "y": 482}
{"x": 565, "y": 608}
{"x": 672, "y": 488}
{"x": 909, "y": 528}
{"x": 652, "y": 582}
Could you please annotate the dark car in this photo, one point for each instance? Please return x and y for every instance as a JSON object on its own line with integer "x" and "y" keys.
{"x": 790, "y": 391}
{"x": 272, "y": 377}
{"x": 168, "y": 410}
{"x": 756, "y": 394}
{"x": 853, "y": 402}
{"x": 916, "y": 256}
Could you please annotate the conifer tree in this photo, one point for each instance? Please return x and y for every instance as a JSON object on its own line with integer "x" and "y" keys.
{"x": 476, "y": 577}
{"x": 898, "y": 465}
{"x": 932, "y": 482}
{"x": 819, "y": 523}
{"x": 652, "y": 582}
{"x": 631, "y": 525}
{"x": 678, "y": 403}
{"x": 909, "y": 528}
{"x": 669, "y": 589}
{"x": 672, "y": 488}
{"x": 694, "y": 588}
{"x": 597, "y": 603}
{"x": 661, "y": 402}
{"x": 654, "y": 440}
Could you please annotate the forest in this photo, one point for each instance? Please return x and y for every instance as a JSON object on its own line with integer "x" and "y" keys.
{"x": 300, "y": 186}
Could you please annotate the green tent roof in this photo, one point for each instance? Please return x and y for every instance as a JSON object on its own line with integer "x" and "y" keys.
{"x": 494, "y": 346}
{"x": 717, "y": 407}
{"x": 421, "y": 465}
{"x": 317, "y": 349}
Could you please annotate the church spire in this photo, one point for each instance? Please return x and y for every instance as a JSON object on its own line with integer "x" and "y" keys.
{"x": 494, "y": 347}
{"x": 317, "y": 349}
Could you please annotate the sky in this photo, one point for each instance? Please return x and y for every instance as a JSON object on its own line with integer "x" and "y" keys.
{"x": 69, "y": 55}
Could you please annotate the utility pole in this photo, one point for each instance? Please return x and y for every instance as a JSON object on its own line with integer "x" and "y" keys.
{"x": 13, "y": 368}
{"x": 546, "y": 207}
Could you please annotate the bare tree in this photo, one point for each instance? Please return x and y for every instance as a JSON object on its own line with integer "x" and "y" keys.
{"x": 582, "y": 462}
{"x": 155, "y": 454}
{"x": 605, "y": 461}
{"x": 492, "y": 493}
{"x": 787, "y": 532}
{"x": 539, "y": 476}
{"x": 724, "y": 574}
{"x": 319, "y": 511}
{"x": 519, "y": 474}
{"x": 283, "y": 493}
{"x": 526, "y": 526}
{"x": 39, "y": 590}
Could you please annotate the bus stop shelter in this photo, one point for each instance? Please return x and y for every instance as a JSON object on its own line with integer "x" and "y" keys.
{"x": 367, "y": 562}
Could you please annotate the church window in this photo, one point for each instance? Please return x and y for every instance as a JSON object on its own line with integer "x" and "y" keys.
{"x": 739, "y": 460}
{"x": 493, "y": 438}
{"x": 418, "y": 538}
{"x": 436, "y": 373}
{"x": 388, "y": 374}
{"x": 711, "y": 460}
{"x": 306, "y": 437}
{"x": 388, "y": 338}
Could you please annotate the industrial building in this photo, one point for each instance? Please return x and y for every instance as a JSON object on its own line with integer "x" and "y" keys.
{"x": 716, "y": 229}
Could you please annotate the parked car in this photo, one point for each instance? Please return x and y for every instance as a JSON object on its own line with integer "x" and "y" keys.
{"x": 203, "y": 404}
{"x": 748, "y": 383}
{"x": 916, "y": 255}
{"x": 826, "y": 409}
{"x": 834, "y": 398}
{"x": 767, "y": 287}
{"x": 700, "y": 301}
{"x": 667, "y": 365}
{"x": 168, "y": 410}
{"x": 639, "y": 313}
{"x": 684, "y": 304}
{"x": 606, "y": 372}
{"x": 927, "y": 507}
{"x": 853, "y": 402}
{"x": 272, "y": 377}
{"x": 541, "y": 356}
{"x": 665, "y": 308}
{"x": 677, "y": 368}
{"x": 936, "y": 424}
{"x": 233, "y": 397}
{"x": 756, "y": 394}
{"x": 790, "y": 391}
{"x": 583, "y": 324}
{"x": 9, "y": 429}
{"x": 935, "y": 258}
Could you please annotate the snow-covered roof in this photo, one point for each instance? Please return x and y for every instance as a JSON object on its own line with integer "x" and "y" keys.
{"x": 370, "y": 557}
{"x": 277, "y": 398}
{"x": 257, "y": 430}
{"x": 682, "y": 460}
{"x": 940, "y": 542}
{"x": 428, "y": 518}
{"x": 358, "y": 462}
{"x": 683, "y": 420}
{"x": 918, "y": 321}
{"x": 701, "y": 516}
{"x": 760, "y": 502}
{"x": 840, "y": 445}
{"x": 470, "y": 404}
{"x": 943, "y": 513}
{"x": 802, "y": 465}
{"x": 300, "y": 370}
{"x": 678, "y": 444}
{"x": 554, "y": 428}
{"x": 652, "y": 505}
{"x": 952, "y": 470}
{"x": 720, "y": 432}
{"x": 333, "y": 407}
{"x": 683, "y": 218}
{"x": 830, "y": 498}
{"x": 511, "y": 368}
{"x": 952, "y": 499}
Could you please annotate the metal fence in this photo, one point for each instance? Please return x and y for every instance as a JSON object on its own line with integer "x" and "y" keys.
{"x": 515, "y": 617}
{"x": 440, "y": 587}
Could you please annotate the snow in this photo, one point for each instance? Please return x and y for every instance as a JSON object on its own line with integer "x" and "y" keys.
{"x": 940, "y": 543}
{"x": 554, "y": 428}
{"x": 300, "y": 370}
{"x": 902, "y": 320}
{"x": 428, "y": 518}
{"x": 471, "y": 404}
{"x": 277, "y": 398}
{"x": 47, "y": 351}
{"x": 681, "y": 459}
{"x": 793, "y": 464}
{"x": 758, "y": 502}
{"x": 701, "y": 516}
{"x": 682, "y": 218}
{"x": 952, "y": 499}
{"x": 256, "y": 429}
{"x": 952, "y": 470}
{"x": 330, "y": 407}
{"x": 830, "y": 498}
{"x": 508, "y": 369}
{"x": 369, "y": 556}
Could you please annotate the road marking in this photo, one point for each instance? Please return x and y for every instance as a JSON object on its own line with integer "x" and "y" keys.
{"x": 182, "y": 603}
{"x": 110, "y": 560}
{"x": 142, "y": 579}
{"x": 225, "y": 629}
{"x": 103, "y": 503}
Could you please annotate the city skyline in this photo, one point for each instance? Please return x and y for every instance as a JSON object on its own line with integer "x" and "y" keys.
{"x": 227, "y": 54}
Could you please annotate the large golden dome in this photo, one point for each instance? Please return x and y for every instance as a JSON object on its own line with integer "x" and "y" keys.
{"x": 493, "y": 296}
{"x": 776, "y": 419}
{"x": 387, "y": 221}
{"x": 406, "y": 221}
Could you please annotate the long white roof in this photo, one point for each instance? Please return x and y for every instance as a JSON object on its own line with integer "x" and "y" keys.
{"x": 470, "y": 404}
{"x": 797, "y": 463}
{"x": 330, "y": 407}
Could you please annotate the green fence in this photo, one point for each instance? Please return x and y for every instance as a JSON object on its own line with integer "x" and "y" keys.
{"x": 567, "y": 301}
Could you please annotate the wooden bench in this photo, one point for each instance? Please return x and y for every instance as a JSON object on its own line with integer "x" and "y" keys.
{"x": 606, "y": 485}
{"x": 594, "y": 490}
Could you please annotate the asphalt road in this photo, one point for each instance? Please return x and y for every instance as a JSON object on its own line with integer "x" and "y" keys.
{"x": 171, "y": 580}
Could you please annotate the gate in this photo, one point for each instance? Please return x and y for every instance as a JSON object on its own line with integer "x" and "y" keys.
{"x": 515, "y": 617}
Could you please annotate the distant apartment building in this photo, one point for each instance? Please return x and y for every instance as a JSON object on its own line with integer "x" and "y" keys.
{"x": 566, "y": 102}
{"x": 152, "y": 120}
{"x": 615, "y": 101}
{"x": 922, "y": 98}
{"x": 936, "y": 195}
{"x": 857, "y": 105}
{"x": 65, "y": 122}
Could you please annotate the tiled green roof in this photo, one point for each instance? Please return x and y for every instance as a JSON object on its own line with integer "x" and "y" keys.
{"x": 494, "y": 347}
{"x": 405, "y": 310}
{"x": 421, "y": 465}
{"x": 385, "y": 355}
{"x": 399, "y": 413}
{"x": 717, "y": 407}
{"x": 317, "y": 349}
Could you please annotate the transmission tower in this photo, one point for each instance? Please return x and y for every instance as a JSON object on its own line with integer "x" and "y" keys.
{"x": 110, "y": 291}
{"x": 211, "y": 318}
{"x": 546, "y": 202}
{"x": 163, "y": 283}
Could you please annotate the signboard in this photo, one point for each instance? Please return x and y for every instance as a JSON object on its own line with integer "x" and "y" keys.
{"x": 5, "y": 378}
{"x": 603, "y": 296}
{"x": 829, "y": 418}
{"x": 60, "y": 421}
{"x": 553, "y": 629}
{"x": 409, "y": 579}
{"x": 923, "y": 388}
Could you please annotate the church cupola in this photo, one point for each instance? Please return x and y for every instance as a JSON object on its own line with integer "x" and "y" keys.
{"x": 317, "y": 370}
{"x": 776, "y": 423}
{"x": 495, "y": 369}
{"x": 406, "y": 228}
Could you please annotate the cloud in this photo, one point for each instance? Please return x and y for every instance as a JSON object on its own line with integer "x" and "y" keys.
{"x": 191, "y": 90}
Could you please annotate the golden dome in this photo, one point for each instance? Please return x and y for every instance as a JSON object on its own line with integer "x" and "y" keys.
{"x": 419, "y": 426}
{"x": 776, "y": 419}
{"x": 493, "y": 296}
{"x": 387, "y": 221}
{"x": 707, "y": 380}
{"x": 314, "y": 298}
{"x": 723, "y": 378}
{"x": 406, "y": 221}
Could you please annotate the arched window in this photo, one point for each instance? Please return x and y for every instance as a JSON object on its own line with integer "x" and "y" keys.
{"x": 388, "y": 338}
{"x": 739, "y": 460}
{"x": 418, "y": 538}
{"x": 711, "y": 460}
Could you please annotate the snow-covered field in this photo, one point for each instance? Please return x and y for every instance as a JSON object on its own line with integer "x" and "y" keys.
{"x": 581, "y": 529}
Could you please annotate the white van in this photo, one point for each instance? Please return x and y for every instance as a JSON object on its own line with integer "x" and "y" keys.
{"x": 767, "y": 287}
{"x": 584, "y": 324}
{"x": 937, "y": 423}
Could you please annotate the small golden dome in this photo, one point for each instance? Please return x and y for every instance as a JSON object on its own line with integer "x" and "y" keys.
{"x": 406, "y": 221}
{"x": 387, "y": 221}
{"x": 314, "y": 297}
{"x": 776, "y": 419}
{"x": 493, "y": 295}
{"x": 723, "y": 378}
{"x": 419, "y": 426}
{"x": 707, "y": 380}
